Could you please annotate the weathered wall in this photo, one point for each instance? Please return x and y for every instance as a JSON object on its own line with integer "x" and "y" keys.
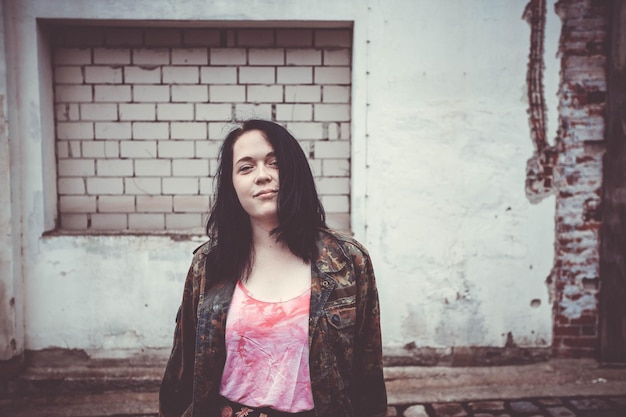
{"x": 578, "y": 175}
{"x": 11, "y": 296}
{"x": 440, "y": 142}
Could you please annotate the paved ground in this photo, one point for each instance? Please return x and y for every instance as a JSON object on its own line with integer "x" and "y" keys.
{"x": 558, "y": 388}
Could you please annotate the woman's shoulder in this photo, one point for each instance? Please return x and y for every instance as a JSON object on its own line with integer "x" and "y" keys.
{"x": 343, "y": 241}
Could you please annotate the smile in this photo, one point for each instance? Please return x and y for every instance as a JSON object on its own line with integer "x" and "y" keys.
{"x": 266, "y": 193}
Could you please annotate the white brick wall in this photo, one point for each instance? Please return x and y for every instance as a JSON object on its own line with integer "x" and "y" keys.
{"x": 140, "y": 115}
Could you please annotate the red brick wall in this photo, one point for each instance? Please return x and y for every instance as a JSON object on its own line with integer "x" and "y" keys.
{"x": 578, "y": 176}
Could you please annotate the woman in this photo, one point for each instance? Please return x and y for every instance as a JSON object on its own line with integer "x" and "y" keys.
{"x": 303, "y": 331}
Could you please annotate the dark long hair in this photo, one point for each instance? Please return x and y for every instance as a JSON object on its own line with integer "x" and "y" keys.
{"x": 300, "y": 212}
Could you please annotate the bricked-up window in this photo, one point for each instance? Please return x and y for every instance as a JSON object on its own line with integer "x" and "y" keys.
{"x": 140, "y": 115}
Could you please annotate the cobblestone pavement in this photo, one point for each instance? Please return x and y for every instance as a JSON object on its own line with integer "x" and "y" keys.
{"x": 613, "y": 406}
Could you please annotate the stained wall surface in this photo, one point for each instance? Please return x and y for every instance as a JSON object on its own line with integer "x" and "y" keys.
{"x": 439, "y": 141}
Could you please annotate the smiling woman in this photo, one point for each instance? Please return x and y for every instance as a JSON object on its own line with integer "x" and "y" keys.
{"x": 303, "y": 331}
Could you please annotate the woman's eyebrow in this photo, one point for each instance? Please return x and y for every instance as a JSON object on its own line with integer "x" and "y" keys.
{"x": 249, "y": 158}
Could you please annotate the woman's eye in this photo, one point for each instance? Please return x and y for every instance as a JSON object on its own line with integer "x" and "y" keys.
{"x": 273, "y": 163}
{"x": 244, "y": 168}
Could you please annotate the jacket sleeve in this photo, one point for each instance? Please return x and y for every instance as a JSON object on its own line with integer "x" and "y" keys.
{"x": 370, "y": 395}
{"x": 175, "y": 394}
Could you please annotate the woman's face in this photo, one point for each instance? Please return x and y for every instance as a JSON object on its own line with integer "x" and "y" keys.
{"x": 255, "y": 177}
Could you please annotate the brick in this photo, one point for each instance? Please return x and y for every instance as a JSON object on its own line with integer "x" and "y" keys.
{"x": 333, "y": 186}
{"x": 304, "y": 57}
{"x": 181, "y": 75}
{"x": 190, "y": 167}
{"x": 336, "y": 167}
{"x": 337, "y": 150}
{"x": 112, "y": 93}
{"x": 314, "y": 164}
{"x": 265, "y": 93}
{"x": 228, "y": 56}
{"x": 73, "y": 221}
{"x": 77, "y": 204}
{"x": 137, "y": 221}
{"x": 150, "y": 203}
{"x": 114, "y": 56}
{"x": 336, "y": 203}
{"x": 306, "y": 130}
{"x": 137, "y": 111}
{"x": 195, "y": 203}
{"x": 227, "y": 93}
{"x": 137, "y": 185}
{"x": 98, "y": 111}
{"x": 66, "y": 112}
{"x": 163, "y": 37}
{"x": 109, "y": 221}
{"x": 333, "y": 37}
{"x": 266, "y": 56}
{"x": 218, "y": 75}
{"x": 248, "y": 111}
{"x": 84, "y": 36}
{"x": 153, "y": 167}
{"x": 68, "y": 75}
{"x": 294, "y": 75}
{"x": 206, "y": 184}
{"x": 72, "y": 93}
{"x": 213, "y": 112}
{"x": 294, "y": 37}
{"x": 219, "y": 130}
{"x": 114, "y": 167}
{"x": 140, "y": 149}
{"x": 255, "y": 37}
{"x": 180, "y": 185}
{"x": 335, "y": 94}
{"x": 416, "y": 411}
{"x": 183, "y": 221}
{"x": 201, "y": 37}
{"x": 76, "y": 167}
{"x": 123, "y": 37}
{"x": 190, "y": 93}
{"x": 302, "y": 93}
{"x": 100, "y": 149}
{"x": 487, "y": 405}
{"x": 191, "y": 130}
{"x": 103, "y": 75}
{"x": 176, "y": 149}
{"x": 142, "y": 56}
{"x": 151, "y": 93}
{"x": 151, "y": 130}
{"x": 206, "y": 149}
{"x": 62, "y": 149}
{"x": 332, "y": 112}
{"x": 75, "y": 149}
{"x": 190, "y": 56}
{"x": 75, "y": 130}
{"x": 524, "y": 407}
{"x": 71, "y": 186}
{"x": 113, "y": 130}
{"x": 297, "y": 112}
{"x": 116, "y": 204}
{"x": 142, "y": 75}
{"x": 332, "y": 75}
{"x": 344, "y": 130}
{"x": 256, "y": 75}
{"x": 337, "y": 56}
{"x": 175, "y": 111}
{"x": 72, "y": 56}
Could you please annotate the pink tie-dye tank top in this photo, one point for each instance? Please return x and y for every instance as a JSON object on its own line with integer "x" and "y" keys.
{"x": 267, "y": 360}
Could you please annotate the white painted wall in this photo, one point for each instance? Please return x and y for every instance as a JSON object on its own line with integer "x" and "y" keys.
{"x": 440, "y": 143}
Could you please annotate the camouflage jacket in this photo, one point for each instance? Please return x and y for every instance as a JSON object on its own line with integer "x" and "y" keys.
{"x": 344, "y": 337}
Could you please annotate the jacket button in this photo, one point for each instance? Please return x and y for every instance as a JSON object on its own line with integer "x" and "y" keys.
{"x": 325, "y": 284}
{"x": 335, "y": 319}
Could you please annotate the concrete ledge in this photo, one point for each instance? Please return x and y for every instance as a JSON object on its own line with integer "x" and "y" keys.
{"x": 556, "y": 378}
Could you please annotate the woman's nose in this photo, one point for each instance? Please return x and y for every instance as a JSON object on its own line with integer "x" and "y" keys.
{"x": 263, "y": 175}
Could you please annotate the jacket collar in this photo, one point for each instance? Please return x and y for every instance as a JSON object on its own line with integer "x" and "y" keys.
{"x": 331, "y": 257}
